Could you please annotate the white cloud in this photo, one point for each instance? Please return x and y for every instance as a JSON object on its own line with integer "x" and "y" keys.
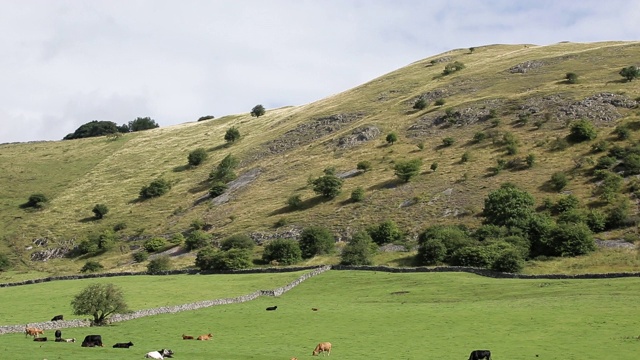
{"x": 65, "y": 63}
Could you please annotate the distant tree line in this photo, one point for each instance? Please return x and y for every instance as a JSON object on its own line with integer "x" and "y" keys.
{"x": 101, "y": 128}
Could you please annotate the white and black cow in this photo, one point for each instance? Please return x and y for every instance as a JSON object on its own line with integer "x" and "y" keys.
{"x": 480, "y": 354}
{"x": 160, "y": 354}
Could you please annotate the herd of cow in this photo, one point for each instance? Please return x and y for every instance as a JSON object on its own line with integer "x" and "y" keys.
{"x": 96, "y": 340}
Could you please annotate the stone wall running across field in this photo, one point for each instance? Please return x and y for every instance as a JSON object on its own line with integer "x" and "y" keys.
{"x": 51, "y": 325}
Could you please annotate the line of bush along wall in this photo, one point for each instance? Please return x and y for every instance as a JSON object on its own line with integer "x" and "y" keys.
{"x": 50, "y": 325}
{"x": 484, "y": 272}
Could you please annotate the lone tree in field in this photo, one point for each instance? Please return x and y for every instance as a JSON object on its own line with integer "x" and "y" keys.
{"x": 232, "y": 135}
{"x": 329, "y": 186}
{"x": 258, "y": 111}
{"x": 99, "y": 301}
{"x": 630, "y": 73}
{"x": 405, "y": 170}
{"x": 392, "y": 137}
{"x": 100, "y": 210}
{"x": 572, "y": 78}
{"x": 197, "y": 156}
{"x": 36, "y": 201}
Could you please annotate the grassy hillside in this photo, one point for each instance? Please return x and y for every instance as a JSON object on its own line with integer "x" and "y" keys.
{"x": 516, "y": 89}
{"x": 367, "y": 315}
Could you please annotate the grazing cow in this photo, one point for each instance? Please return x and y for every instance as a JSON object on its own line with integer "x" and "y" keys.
{"x": 314, "y": 309}
{"x": 205, "y": 337}
{"x": 32, "y": 331}
{"x": 480, "y": 354}
{"x": 187, "y": 337}
{"x": 92, "y": 340}
{"x": 271, "y": 308}
{"x": 123, "y": 345}
{"x": 57, "y": 318}
{"x": 40, "y": 339}
{"x": 70, "y": 340}
{"x": 58, "y": 334}
{"x": 160, "y": 354}
{"x": 322, "y": 348}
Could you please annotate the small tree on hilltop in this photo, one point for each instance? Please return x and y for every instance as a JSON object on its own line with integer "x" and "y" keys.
{"x": 329, "y": 186}
{"x": 99, "y": 301}
{"x": 144, "y": 123}
{"x": 630, "y": 73}
{"x": 232, "y": 135}
{"x": 100, "y": 210}
{"x": 258, "y": 111}
{"x": 316, "y": 240}
{"x": 197, "y": 156}
{"x": 405, "y": 170}
{"x": 392, "y": 137}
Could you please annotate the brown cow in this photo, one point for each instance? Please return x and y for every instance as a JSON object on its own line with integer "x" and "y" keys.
{"x": 322, "y": 348}
{"x": 294, "y": 358}
{"x": 187, "y": 337}
{"x": 33, "y": 331}
{"x": 205, "y": 337}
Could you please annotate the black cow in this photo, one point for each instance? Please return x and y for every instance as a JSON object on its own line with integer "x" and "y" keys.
{"x": 271, "y": 308}
{"x": 123, "y": 345}
{"x": 40, "y": 339}
{"x": 480, "y": 354}
{"x": 57, "y": 317}
{"x": 58, "y": 334}
{"x": 92, "y": 340}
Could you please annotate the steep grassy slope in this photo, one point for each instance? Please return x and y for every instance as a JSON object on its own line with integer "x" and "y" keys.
{"x": 287, "y": 146}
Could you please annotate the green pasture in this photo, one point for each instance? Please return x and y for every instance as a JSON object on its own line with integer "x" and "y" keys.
{"x": 376, "y": 315}
{"x": 40, "y": 302}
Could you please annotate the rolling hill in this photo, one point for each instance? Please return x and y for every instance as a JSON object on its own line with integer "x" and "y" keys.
{"x": 514, "y": 91}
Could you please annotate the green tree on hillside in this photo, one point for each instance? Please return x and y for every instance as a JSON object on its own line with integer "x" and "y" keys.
{"x": 224, "y": 171}
{"x": 405, "y": 170}
{"x": 197, "y": 156}
{"x": 99, "y": 301}
{"x": 508, "y": 206}
{"x": 392, "y": 138}
{"x": 359, "y": 250}
{"x": 329, "y": 186}
{"x": 157, "y": 187}
{"x": 386, "y": 232}
{"x": 36, "y": 201}
{"x": 142, "y": 123}
{"x": 453, "y": 67}
{"x": 316, "y": 240}
{"x": 630, "y": 73}
{"x": 159, "y": 264}
{"x": 572, "y": 78}
{"x": 100, "y": 211}
{"x": 284, "y": 251}
{"x": 582, "y": 130}
{"x": 232, "y": 135}
{"x": 237, "y": 241}
{"x": 258, "y": 111}
{"x": 92, "y": 129}
{"x": 5, "y": 263}
{"x": 420, "y": 104}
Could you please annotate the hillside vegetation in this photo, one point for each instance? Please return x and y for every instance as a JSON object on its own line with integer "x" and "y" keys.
{"x": 518, "y": 96}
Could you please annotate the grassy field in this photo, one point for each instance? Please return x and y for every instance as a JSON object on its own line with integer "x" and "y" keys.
{"x": 141, "y": 292}
{"x": 374, "y": 315}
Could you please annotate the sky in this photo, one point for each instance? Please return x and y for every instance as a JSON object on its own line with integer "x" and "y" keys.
{"x": 65, "y": 63}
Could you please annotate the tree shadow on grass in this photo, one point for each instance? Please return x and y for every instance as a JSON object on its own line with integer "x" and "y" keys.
{"x": 200, "y": 187}
{"x": 306, "y": 204}
{"x": 389, "y": 184}
{"x": 88, "y": 219}
{"x": 219, "y": 147}
{"x": 181, "y": 168}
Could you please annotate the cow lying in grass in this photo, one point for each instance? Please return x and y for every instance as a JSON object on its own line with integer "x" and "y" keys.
{"x": 322, "y": 348}
{"x": 160, "y": 354}
{"x": 205, "y": 337}
{"x": 187, "y": 337}
{"x": 123, "y": 345}
{"x": 480, "y": 354}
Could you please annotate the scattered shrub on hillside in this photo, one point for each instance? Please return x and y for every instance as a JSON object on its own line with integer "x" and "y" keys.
{"x": 448, "y": 141}
{"x": 618, "y": 215}
{"x": 331, "y": 170}
{"x": 530, "y": 160}
{"x": 36, "y": 201}
{"x": 479, "y": 136}
{"x": 453, "y": 67}
{"x": 328, "y": 186}
{"x": 237, "y": 241}
{"x": 386, "y": 232}
{"x": 281, "y": 222}
{"x": 159, "y": 264}
{"x": 431, "y": 252}
{"x": 559, "y": 144}
{"x": 96, "y": 244}
{"x": 392, "y": 138}
{"x": 622, "y": 132}
{"x": 610, "y": 185}
{"x": 224, "y": 172}
{"x": 120, "y": 226}
{"x": 600, "y": 146}
{"x": 232, "y": 135}
{"x": 452, "y": 237}
{"x": 157, "y": 187}
{"x": 566, "y": 203}
{"x": 440, "y": 102}
{"x": 558, "y": 181}
{"x": 154, "y": 244}
{"x": 5, "y": 263}
{"x": 631, "y": 163}
{"x": 140, "y": 124}
{"x": 197, "y": 239}
{"x": 359, "y": 250}
{"x": 364, "y": 165}
{"x": 420, "y": 104}
{"x": 605, "y": 162}
{"x": 197, "y": 224}
{"x": 197, "y": 156}
{"x": 582, "y": 130}
{"x": 407, "y": 169}
{"x": 316, "y": 240}
{"x": 206, "y": 117}
{"x": 572, "y": 78}
{"x": 466, "y": 156}
{"x": 140, "y": 256}
{"x": 258, "y": 111}
{"x": 284, "y": 251}
{"x": 176, "y": 239}
{"x": 294, "y": 201}
{"x": 357, "y": 194}
{"x": 100, "y": 210}
{"x": 91, "y": 266}
{"x": 218, "y": 188}
{"x": 99, "y": 301}
{"x": 572, "y": 240}
{"x": 434, "y": 166}
{"x": 512, "y": 149}
{"x": 508, "y": 206}
{"x": 630, "y": 73}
